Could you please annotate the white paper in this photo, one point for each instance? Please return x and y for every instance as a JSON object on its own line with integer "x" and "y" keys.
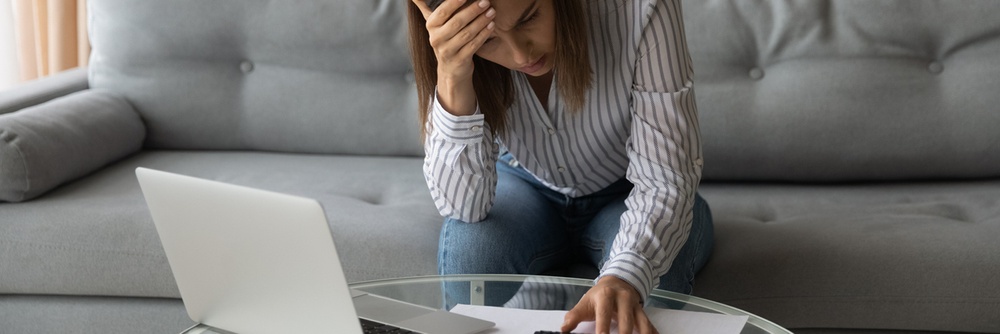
{"x": 519, "y": 321}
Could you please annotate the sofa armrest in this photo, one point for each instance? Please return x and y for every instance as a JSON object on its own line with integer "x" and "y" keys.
{"x": 44, "y": 146}
{"x": 39, "y": 91}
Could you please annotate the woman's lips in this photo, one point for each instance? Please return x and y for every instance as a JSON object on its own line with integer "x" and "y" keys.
{"x": 535, "y": 67}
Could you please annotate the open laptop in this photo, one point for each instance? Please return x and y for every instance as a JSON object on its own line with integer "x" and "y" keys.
{"x": 252, "y": 261}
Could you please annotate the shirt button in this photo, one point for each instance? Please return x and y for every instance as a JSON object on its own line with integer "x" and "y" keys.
{"x": 562, "y": 169}
{"x": 476, "y": 128}
{"x": 699, "y": 162}
{"x": 552, "y": 131}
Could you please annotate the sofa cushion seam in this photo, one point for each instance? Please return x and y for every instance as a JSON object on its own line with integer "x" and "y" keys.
{"x": 40, "y": 99}
{"x": 24, "y": 166}
{"x": 73, "y": 249}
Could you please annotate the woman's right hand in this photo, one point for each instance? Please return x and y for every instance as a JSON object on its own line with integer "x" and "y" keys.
{"x": 456, "y": 34}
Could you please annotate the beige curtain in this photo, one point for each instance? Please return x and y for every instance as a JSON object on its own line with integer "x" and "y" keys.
{"x": 51, "y": 36}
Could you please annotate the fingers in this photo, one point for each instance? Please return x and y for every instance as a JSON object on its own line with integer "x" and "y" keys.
{"x": 645, "y": 326}
{"x": 448, "y": 11}
{"x": 626, "y": 314}
{"x": 603, "y": 311}
{"x": 467, "y": 16}
{"x": 443, "y": 28}
{"x": 462, "y": 44}
{"x": 580, "y": 313}
{"x": 422, "y": 6}
{"x": 469, "y": 32}
{"x": 477, "y": 42}
{"x": 605, "y": 304}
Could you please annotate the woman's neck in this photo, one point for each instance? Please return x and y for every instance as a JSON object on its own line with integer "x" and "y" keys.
{"x": 541, "y": 85}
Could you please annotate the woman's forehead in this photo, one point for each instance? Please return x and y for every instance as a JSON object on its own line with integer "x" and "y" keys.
{"x": 512, "y": 6}
{"x": 510, "y": 12}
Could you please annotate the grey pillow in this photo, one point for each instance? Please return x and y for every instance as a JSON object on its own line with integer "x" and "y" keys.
{"x": 44, "y": 146}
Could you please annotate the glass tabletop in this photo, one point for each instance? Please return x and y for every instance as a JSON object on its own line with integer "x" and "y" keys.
{"x": 525, "y": 292}
{"x": 535, "y": 292}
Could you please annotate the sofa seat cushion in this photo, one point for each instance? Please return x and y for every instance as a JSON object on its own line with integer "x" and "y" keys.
{"x": 95, "y": 236}
{"x": 920, "y": 256}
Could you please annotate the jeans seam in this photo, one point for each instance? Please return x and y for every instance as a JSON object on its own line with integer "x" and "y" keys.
{"x": 444, "y": 250}
{"x": 705, "y": 214}
{"x": 697, "y": 256}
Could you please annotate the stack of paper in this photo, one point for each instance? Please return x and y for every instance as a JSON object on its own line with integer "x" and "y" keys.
{"x": 519, "y": 321}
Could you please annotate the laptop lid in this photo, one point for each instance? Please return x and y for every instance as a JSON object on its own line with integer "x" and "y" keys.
{"x": 270, "y": 257}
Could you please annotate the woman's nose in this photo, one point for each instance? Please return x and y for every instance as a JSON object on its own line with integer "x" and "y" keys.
{"x": 522, "y": 52}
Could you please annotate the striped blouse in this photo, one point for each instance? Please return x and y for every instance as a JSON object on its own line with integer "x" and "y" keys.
{"x": 639, "y": 122}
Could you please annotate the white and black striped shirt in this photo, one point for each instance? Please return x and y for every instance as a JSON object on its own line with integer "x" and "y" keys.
{"x": 639, "y": 121}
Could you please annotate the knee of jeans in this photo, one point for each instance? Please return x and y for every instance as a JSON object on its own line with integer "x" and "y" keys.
{"x": 473, "y": 249}
{"x": 707, "y": 226}
{"x": 701, "y": 206}
{"x": 679, "y": 281}
{"x": 704, "y": 241}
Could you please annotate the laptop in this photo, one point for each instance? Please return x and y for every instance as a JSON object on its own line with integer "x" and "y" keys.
{"x": 251, "y": 261}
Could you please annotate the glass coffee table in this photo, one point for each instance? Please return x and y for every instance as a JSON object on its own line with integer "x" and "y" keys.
{"x": 520, "y": 291}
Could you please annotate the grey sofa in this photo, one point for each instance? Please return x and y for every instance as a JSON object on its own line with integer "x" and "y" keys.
{"x": 851, "y": 147}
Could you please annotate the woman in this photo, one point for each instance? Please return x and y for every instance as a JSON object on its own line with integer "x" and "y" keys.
{"x": 563, "y": 129}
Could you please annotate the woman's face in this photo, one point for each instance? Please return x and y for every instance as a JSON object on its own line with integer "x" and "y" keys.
{"x": 523, "y": 37}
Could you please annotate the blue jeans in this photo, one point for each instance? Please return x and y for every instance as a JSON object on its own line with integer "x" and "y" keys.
{"x": 532, "y": 229}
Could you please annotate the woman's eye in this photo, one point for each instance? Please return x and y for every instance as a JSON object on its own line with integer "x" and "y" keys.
{"x": 530, "y": 18}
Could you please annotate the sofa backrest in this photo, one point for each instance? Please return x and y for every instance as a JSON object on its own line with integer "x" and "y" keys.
{"x": 792, "y": 90}
{"x": 323, "y": 76}
{"x": 818, "y": 90}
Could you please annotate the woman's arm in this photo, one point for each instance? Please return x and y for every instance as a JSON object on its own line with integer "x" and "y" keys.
{"x": 456, "y": 30}
{"x": 460, "y": 164}
{"x": 460, "y": 151}
{"x": 664, "y": 152}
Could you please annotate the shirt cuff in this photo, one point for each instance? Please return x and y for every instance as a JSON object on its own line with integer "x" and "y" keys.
{"x": 461, "y": 129}
{"x": 634, "y": 269}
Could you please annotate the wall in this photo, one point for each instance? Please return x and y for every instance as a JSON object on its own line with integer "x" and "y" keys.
{"x": 9, "y": 73}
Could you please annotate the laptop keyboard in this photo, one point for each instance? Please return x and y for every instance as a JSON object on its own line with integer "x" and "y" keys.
{"x": 371, "y": 327}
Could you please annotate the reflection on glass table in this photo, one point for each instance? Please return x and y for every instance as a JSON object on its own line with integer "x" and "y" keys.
{"x": 524, "y": 292}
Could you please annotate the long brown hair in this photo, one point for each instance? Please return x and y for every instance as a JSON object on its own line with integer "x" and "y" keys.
{"x": 493, "y": 83}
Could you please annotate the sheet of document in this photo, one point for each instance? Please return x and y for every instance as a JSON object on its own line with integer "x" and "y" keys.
{"x": 519, "y": 321}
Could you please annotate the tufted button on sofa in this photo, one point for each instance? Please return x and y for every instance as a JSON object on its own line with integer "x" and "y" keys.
{"x": 851, "y": 155}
